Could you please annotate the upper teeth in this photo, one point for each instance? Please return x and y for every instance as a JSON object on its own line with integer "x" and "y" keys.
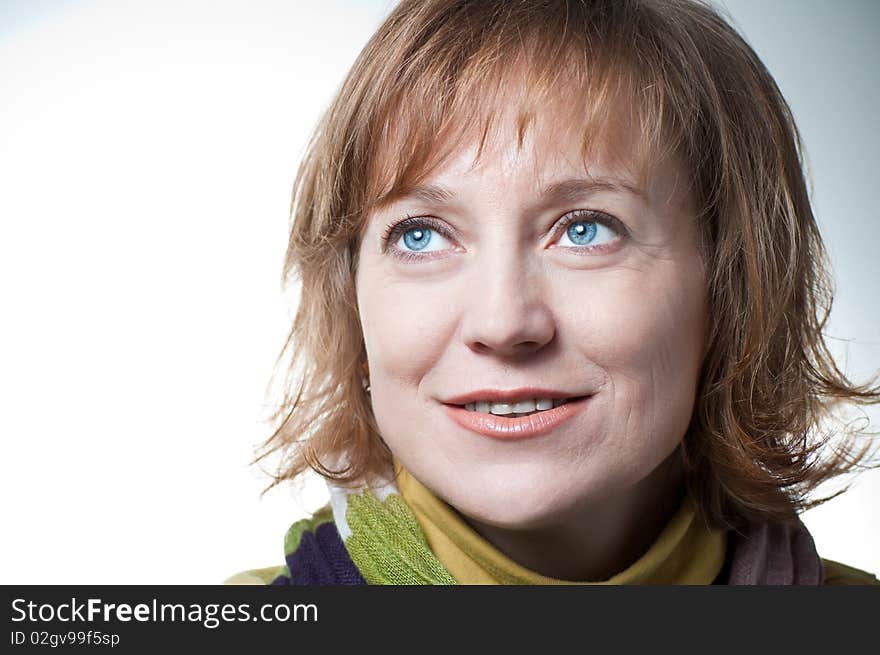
{"x": 520, "y": 407}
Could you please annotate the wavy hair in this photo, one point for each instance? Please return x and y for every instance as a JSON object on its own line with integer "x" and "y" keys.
{"x": 759, "y": 442}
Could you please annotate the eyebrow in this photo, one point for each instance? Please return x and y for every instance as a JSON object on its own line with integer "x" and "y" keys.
{"x": 435, "y": 193}
{"x": 556, "y": 193}
{"x": 573, "y": 189}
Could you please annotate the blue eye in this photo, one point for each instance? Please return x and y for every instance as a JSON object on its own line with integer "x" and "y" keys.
{"x": 581, "y": 232}
{"x": 417, "y": 238}
{"x": 587, "y": 233}
{"x": 420, "y": 238}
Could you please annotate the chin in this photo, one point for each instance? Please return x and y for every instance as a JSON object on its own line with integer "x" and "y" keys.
{"x": 525, "y": 507}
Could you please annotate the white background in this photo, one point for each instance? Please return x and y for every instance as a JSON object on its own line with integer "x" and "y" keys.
{"x": 147, "y": 151}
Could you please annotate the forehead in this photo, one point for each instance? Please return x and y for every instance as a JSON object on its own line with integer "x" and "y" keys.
{"x": 556, "y": 153}
{"x": 567, "y": 132}
{"x": 548, "y": 149}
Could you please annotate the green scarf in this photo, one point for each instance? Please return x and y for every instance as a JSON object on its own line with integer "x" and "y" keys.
{"x": 383, "y": 536}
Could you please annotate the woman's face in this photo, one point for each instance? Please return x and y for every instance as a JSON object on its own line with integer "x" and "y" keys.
{"x": 533, "y": 275}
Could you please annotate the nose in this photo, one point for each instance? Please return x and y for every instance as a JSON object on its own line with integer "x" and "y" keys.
{"x": 508, "y": 312}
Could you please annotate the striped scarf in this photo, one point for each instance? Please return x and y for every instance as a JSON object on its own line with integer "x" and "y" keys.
{"x": 369, "y": 535}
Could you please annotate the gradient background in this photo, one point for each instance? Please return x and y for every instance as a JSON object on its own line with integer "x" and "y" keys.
{"x": 147, "y": 152}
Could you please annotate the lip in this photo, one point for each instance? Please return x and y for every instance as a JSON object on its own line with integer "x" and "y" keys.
{"x": 522, "y": 427}
{"x": 510, "y": 395}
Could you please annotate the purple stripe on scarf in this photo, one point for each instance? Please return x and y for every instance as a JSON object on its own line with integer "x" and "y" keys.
{"x": 773, "y": 554}
{"x": 320, "y": 559}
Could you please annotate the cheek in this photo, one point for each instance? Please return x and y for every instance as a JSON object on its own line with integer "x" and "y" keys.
{"x": 406, "y": 327}
{"x": 656, "y": 329}
{"x": 647, "y": 333}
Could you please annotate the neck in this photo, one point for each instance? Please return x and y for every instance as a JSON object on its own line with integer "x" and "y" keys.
{"x": 600, "y": 538}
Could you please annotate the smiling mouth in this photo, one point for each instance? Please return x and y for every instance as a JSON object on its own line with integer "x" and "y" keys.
{"x": 517, "y": 409}
{"x": 503, "y": 421}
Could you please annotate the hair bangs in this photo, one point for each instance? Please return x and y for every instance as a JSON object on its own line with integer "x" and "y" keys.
{"x": 517, "y": 74}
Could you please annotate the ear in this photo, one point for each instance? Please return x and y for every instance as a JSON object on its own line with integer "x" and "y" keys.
{"x": 365, "y": 365}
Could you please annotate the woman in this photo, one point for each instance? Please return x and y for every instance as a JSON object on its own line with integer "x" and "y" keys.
{"x": 562, "y": 307}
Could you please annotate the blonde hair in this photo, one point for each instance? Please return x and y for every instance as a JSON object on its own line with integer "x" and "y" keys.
{"x": 755, "y": 447}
